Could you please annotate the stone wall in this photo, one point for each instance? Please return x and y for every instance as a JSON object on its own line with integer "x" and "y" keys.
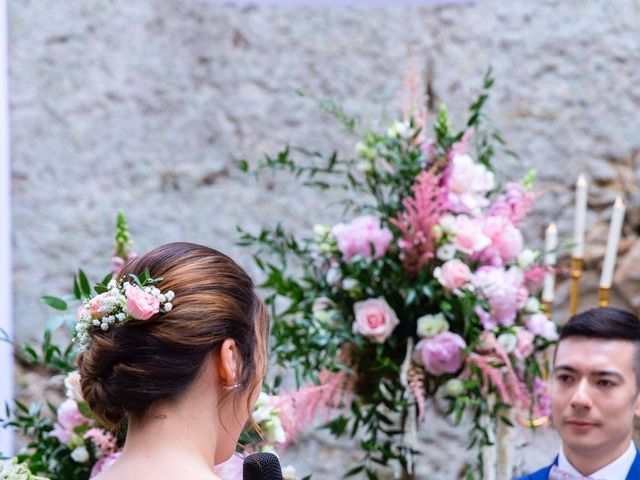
{"x": 149, "y": 105}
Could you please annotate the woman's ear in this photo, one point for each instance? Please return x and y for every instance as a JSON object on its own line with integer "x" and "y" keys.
{"x": 228, "y": 362}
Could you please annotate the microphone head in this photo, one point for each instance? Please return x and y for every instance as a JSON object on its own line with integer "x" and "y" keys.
{"x": 261, "y": 466}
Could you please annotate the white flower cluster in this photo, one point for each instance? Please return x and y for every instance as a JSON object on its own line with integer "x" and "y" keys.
{"x": 12, "y": 470}
{"x": 268, "y": 419}
{"x": 119, "y": 304}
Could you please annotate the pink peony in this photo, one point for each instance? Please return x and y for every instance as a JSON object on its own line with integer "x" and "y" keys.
{"x": 540, "y": 325}
{"x": 524, "y": 347}
{"x": 68, "y": 418}
{"x": 375, "y": 319}
{"x": 487, "y": 322}
{"x": 442, "y": 353}
{"x": 468, "y": 235}
{"x": 453, "y": 275}
{"x": 506, "y": 241}
{"x": 468, "y": 184}
{"x": 141, "y": 305}
{"x": 502, "y": 289}
{"x": 104, "y": 463}
{"x": 360, "y": 236}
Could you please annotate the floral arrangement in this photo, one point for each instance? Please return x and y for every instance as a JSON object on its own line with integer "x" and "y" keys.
{"x": 425, "y": 292}
{"x": 67, "y": 442}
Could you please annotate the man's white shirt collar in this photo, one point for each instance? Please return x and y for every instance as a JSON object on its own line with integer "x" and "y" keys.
{"x": 616, "y": 470}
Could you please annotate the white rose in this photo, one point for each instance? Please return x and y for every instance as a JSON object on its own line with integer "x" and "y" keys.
{"x": 508, "y": 342}
{"x": 80, "y": 454}
{"x": 526, "y": 258}
{"x": 289, "y": 473}
{"x": 454, "y": 387}
{"x": 430, "y": 325}
{"x": 446, "y": 252}
{"x": 532, "y": 305}
{"x": 334, "y": 275}
{"x": 260, "y": 414}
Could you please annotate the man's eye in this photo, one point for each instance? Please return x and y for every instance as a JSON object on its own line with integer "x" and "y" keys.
{"x": 606, "y": 383}
{"x": 564, "y": 378}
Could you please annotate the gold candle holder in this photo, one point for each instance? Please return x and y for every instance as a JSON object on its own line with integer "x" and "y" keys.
{"x": 534, "y": 422}
{"x": 576, "y": 273}
{"x": 603, "y": 296}
{"x": 547, "y": 308}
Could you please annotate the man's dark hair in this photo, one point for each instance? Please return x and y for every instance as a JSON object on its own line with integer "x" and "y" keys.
{"x": 608, "y": 324}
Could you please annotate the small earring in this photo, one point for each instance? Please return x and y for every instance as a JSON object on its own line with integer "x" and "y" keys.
{"x": 231, "y": 387}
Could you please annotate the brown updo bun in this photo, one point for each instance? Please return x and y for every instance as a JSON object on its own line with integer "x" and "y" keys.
{"x": 130, "y": 366}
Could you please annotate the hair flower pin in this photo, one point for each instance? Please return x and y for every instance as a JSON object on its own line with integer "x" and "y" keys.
{"x": 119, "y": 303}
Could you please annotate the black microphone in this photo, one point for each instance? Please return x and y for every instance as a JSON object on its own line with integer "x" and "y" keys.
{"x": 261, "y": 466}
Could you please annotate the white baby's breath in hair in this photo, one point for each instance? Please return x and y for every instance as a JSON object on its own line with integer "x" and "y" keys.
{"x": 120, "y": 303}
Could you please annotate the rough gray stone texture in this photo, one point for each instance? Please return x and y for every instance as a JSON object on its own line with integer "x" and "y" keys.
{"x": 149, "y": 105}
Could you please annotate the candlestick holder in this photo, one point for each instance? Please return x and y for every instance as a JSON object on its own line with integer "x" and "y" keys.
{"x": 603, "y": 296}
{"x": 576, "y": 273}
{"x": 547, "y": 308}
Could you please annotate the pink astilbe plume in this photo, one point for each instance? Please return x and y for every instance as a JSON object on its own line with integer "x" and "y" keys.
{"x": 422, "y": 212}
{"x": 414, "y": 100}
{"x": 415, "y": 376}
{"x": 496, "y": 370}
{"x": 300, "y": 408}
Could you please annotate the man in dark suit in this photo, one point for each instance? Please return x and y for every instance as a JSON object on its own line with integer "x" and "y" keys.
{"x": 595, "y": 395}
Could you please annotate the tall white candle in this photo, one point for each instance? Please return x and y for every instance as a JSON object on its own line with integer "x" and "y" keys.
{"x": 6, "y": 320}
{"x": 615, "y": 229}
{"x": 550, "y": 246}
{"x": 580, "y": 217}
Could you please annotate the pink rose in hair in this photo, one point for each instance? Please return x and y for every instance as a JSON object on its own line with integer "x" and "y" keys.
{"x": 375, "y": 319}
{"x": 141, "y": 305}
{"x": 360, "y": 236}
{"x": 95, "y": 304}
{"x": 104, "y": 463}
{"x": 68, "y": 418}
{"x": 442, "y": 353}
{"x": 453, "y": 275}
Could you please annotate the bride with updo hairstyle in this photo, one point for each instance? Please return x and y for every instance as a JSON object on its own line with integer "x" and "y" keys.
{"x": 180, "y": 359}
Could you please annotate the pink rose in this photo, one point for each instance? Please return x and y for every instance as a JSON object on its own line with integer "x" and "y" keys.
{"x": 442, "y": 353}
{"x": 487, "y": 322}
{"x": 141, "y": 305}
{"x": 375, "y": 319}
{"x": 104, "y": 463}
{"x": 95, "y": 304}
{"x": 524, "y": 347}
{"x": 468, "y": 235}
{"x": 453, "y": 275}
{"x": 361, "y": 236}
{"x": 68, "y": 418}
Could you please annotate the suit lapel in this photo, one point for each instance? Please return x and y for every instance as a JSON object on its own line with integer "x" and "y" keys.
{"x": 634, "y": 471}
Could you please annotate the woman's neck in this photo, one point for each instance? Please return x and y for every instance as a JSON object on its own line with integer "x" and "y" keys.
{"x": 171, "y": 437}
